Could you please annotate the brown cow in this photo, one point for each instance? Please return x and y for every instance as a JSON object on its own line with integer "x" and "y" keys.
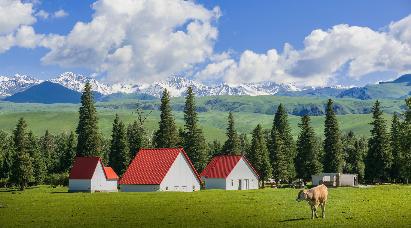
{"x": 316, "y": 196}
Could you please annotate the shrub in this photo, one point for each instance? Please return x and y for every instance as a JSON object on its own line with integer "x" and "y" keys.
{"x": 56, "y": 179}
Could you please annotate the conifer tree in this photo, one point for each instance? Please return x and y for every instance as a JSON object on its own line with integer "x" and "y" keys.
{"x": 396, "y": 149}
{"x": 379, "y": 157}
{"x": 333, "y": 154}
{"x": 48, "y": 150}
{"x": 137, "y": 138}
{"x": 232, "y": 144}
{"x": 258, "y": 155}
{"x": 167, "y": 135}
{"x": 193, "y": 137}
{"x": 307, "y": 161}
{"x": 88, "y": 139}
{"x": 406, "y": 144}
{"x": 119, "y": 152}
{"x": 282, "y": 155}
{"x": 22, "y": 169}
{"x": 354, "y": 150}
{"x": 39, "y": 165}
{"x": 7, "y": 155}
{"x": 68, "y": 152}
{"x": 244, "y": 143}
{"x": 214, "y": 148}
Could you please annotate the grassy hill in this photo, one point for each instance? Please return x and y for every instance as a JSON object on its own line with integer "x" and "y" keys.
{"x": 376, "y": 206}
{"x": 249, "y": 112}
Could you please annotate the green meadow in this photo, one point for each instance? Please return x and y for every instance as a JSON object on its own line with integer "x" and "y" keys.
{"x": 375, "y": 206}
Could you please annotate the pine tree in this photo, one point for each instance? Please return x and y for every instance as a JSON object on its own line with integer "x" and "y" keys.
{"x": 22, "y": 169}
{"x": 167, "y": 135}
{"x": 39, "y": 165}
{"x": 193, "y": 137}
{"x": 48, "y": 151}
{"x": 244, "y": 143}
{"x": 6, "y": 152}
{"x": 379, "y": 157}
{"x": 67, "y": 148}
{"x": 214, "y": 148}
{"x": 232, "y": 144}
{"x": 405, "y": 170}
{"x": 137, "y": 138}
{"x": 258, "y": 155}
{"x": 396, "y": 149}
{"x": 333, "y": 154}
{"x": 307, "y": 161}
{"x": 88, "y": 139}
{"x": 119, "y": 152}
{"x": 283, "y": 154}
{"x": 354, "y": 153}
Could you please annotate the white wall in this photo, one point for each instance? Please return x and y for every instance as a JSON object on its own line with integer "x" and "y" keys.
{"x": 242, "y": 171}
{"x": 214, "y": 183}
{"x": 348, "y": 179}
{"x": 100, "y": 183}
{"x": 76, "y": 185}
{"x": 180, "y": 177}
{"x": 139, "y": 188}
{"x": 344, "y": 179}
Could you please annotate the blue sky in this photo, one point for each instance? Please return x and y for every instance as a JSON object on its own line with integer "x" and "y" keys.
{"x": 256, "y": 26}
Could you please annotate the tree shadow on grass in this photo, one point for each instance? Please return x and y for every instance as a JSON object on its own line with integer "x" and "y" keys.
{"x": 60, "y": 192}
{"x": 293, "y": 219}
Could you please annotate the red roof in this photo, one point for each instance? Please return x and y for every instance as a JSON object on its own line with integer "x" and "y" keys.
{"x": 84, "y": 167}
{"x": 150, "y": 166}
{"x": 221, "y": 166}
{"x": 110, "y": 174}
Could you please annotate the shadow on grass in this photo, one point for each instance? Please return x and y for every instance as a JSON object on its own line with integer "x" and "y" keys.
{"x": 293, "y": 219}
{"x": 62, "y": 192}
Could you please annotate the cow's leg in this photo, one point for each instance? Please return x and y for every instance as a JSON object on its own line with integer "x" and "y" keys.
{"x": 323, "y": 209}
{"x": 315, "y": 210}
{"x": 312, "y": 211}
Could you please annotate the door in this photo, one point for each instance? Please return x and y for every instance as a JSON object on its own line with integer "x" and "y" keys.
{"x": 239, "y": 185}
{"x": 247, "y": 184}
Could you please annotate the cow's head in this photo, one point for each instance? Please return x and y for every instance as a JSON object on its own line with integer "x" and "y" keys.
{"x": 302, "y": 195}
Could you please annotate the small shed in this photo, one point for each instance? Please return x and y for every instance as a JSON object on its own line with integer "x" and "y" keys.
{"x": 88, "y": 174}
{"x": 161, "y": 169}
{"x": 335, "y": 179}
{"x": 230, "y": 172}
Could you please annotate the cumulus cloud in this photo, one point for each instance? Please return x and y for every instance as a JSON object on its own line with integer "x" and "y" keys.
{"x": 139, "y": 40}
{"x": 42, "y": 14}
{"x": 13, "y": 14}
{"x": 60, "y": 13}
{"x": 359, "y": 49}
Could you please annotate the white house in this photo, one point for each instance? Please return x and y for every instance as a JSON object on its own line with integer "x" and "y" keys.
{"x": 88, "y": 174}
{"x": 230, "y": 172}
{"x": 161, "y": 169}
{"x": 335, "y": 179}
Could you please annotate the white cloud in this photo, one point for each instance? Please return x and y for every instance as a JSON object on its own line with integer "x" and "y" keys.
{"x": 60, "y": 13}
{"x": 139, "y": 40}
{"x": 13, "y": 14}
{"x": 42, "y": 14}
{"x": 325, "y": 54}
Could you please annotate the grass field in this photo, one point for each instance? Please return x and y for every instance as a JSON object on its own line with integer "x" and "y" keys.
{"x": 63, "y": 118}
{"x": 379, "y": 206}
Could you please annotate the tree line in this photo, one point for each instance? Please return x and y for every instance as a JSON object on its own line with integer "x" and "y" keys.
{"x": 384, "y": 157}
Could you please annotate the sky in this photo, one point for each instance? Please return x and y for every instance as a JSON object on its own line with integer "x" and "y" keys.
{"x": 306, "y": 43}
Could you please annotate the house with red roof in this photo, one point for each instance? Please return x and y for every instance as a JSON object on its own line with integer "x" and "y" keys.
{"x": 230, "y": 172}
{"x": 89, "y": 174}
{"x": 161, "y": 169}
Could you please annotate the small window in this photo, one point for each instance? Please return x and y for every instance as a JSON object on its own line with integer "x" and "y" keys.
{"x": 232, "y": 182}
{"x": 166, "y": 188}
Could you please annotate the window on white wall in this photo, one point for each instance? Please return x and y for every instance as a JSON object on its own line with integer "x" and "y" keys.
{"x": 232, "y": 182}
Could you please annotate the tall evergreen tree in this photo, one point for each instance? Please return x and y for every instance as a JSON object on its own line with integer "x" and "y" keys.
{"x": 137, "y": 138}
{"x": 379, "y": 157}
{"x": 39, "y": 165}
{"x": 214, "y": 148}
{"x": 244, "y": 143}
{"x": 167, "y": 135}
{"x": 355, "y": 150}
{"x": 193, "y": 137}
{"x": 258, "y": 154}
{"x": 69, "y": 153}
{"x": 119, "y": 152}
{"x": 396, "y": 149}
{"x": 405, "y": 171}
{"x": 232, "y": 144}
{"x": 88, "y": 138}
{"x": 282, "y": 155}
{"x": 6, "y": 150}
{"x": 307, "y": 161}
{"x": 333, "y": 154}
{"x": 48, "y": 150}
{"x": 22, "y": 169}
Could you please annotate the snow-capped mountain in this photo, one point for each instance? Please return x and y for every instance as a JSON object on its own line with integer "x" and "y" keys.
{"x": 176, "y": 85}
{"x": 15, "y": 84}
{"x": 76, "y": 82}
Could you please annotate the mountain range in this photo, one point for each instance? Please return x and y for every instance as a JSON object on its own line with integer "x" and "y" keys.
{"x": 22, "y": 88}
